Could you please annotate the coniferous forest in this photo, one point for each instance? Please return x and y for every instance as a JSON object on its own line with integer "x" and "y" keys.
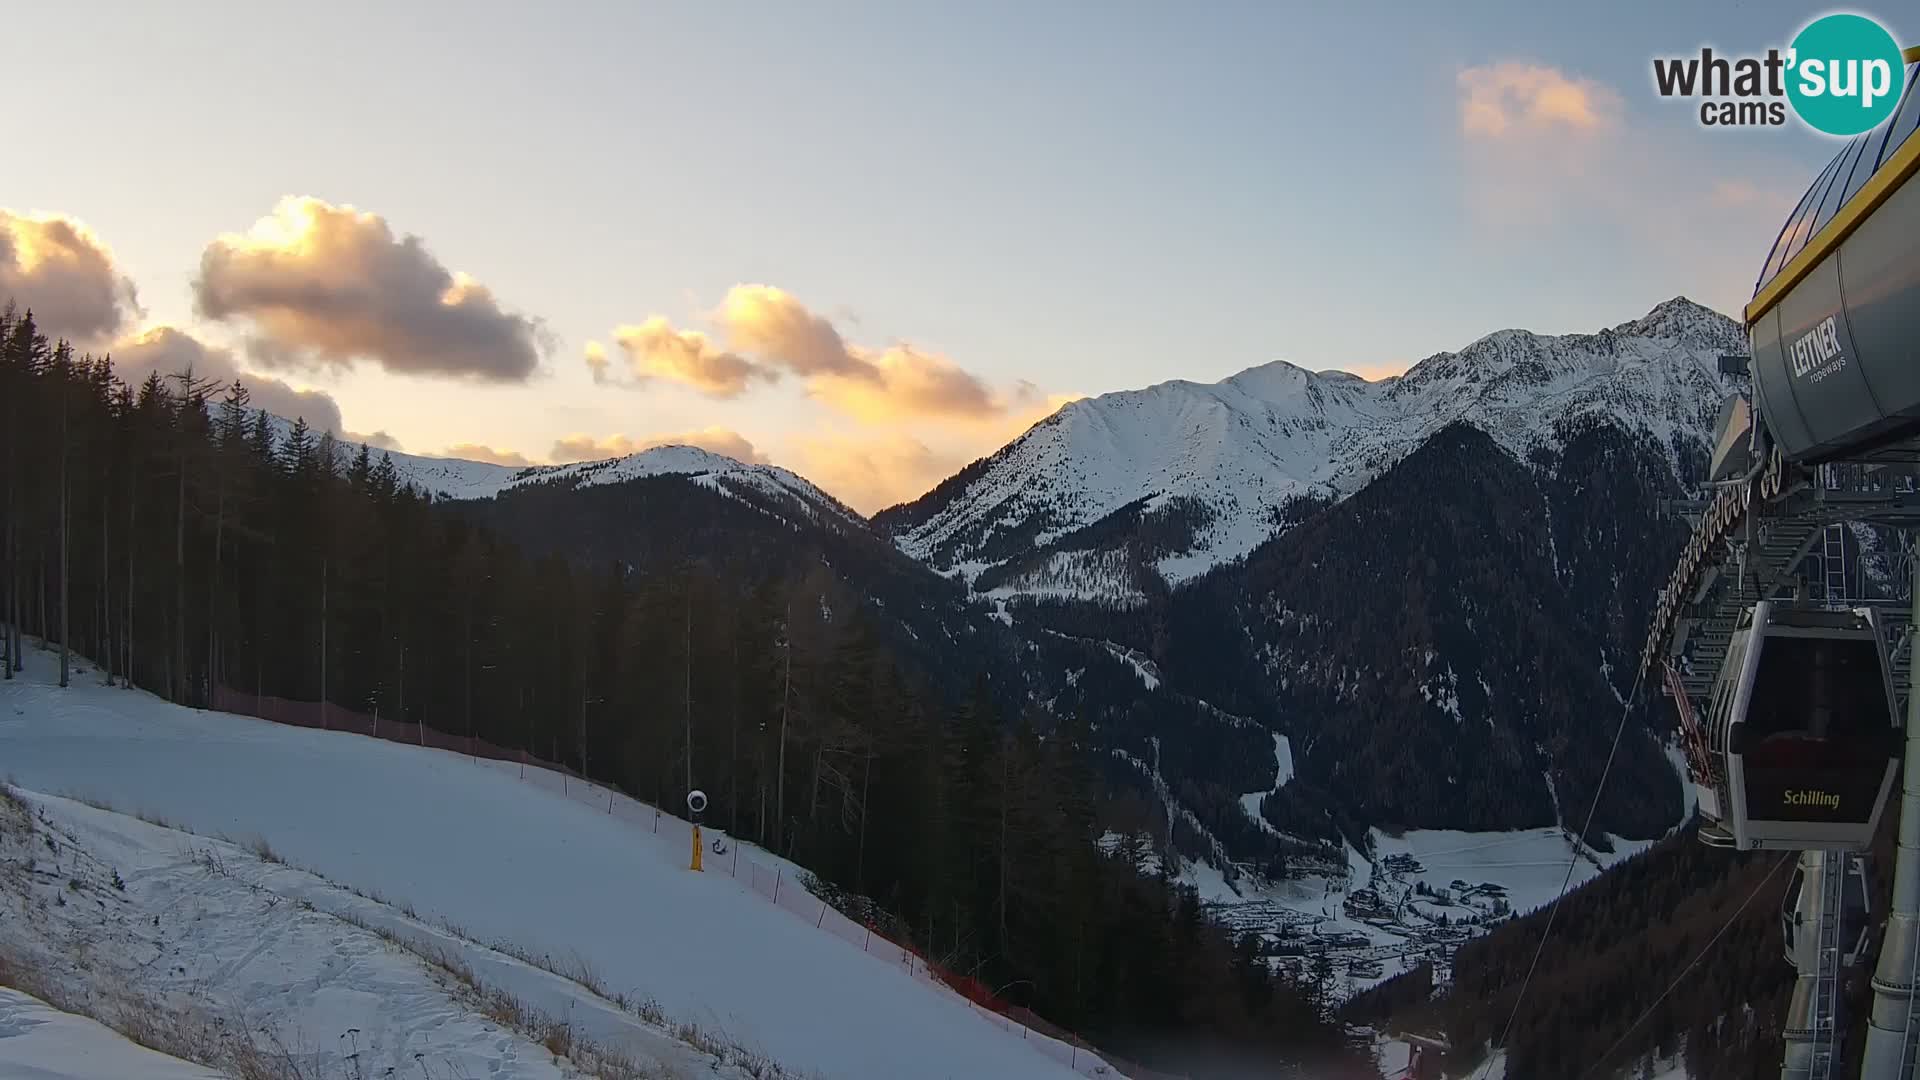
{"x": 1676, "y": 954}
{"x": 180, "y": 541}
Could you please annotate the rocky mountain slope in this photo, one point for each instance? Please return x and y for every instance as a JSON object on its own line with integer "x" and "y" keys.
{"x": 1117, "y": 497}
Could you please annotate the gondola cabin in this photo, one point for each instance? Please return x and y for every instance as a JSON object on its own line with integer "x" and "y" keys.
{"x": 1801, "y": 730}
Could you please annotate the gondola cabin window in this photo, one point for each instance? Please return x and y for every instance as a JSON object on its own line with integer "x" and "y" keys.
{"x": 1815, "y": 737}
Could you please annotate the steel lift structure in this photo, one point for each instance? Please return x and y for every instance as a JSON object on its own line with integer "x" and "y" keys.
{"x": 1791, "y": 681}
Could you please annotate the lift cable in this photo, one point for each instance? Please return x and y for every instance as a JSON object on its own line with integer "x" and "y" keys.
{"x": 1573, "y": 860}
{"x": 1598, "y": 1062}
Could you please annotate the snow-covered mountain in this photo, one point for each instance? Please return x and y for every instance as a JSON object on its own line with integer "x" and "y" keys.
{"x": 1115, "y": 496}
{"x": 457, "y": 478}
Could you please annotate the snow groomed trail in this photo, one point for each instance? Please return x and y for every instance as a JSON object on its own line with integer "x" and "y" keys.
{"x": 508, "y": 860}
{"x": 197, "y": 941}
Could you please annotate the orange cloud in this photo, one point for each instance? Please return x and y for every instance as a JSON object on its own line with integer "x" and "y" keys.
{"x": 57, "y": 268}
{"x": 170, "y": 351}
{"x": 871, "y": 470}
{"x": 655, "y": 350}
{"x": 769, "y": 321}
{"x": 1510, "y": 98}
{"x": 377, "y": 440}
{"x": 872, "y": 473}
{"x": 477, "y": 452}
{"x": 903, "y": 381}
{"x": 769, "y": 334}
{"x": 716, "y": 439}
{"x": 331, "y": 285}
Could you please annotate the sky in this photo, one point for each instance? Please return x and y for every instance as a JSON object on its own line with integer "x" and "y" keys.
{"x": 866, "y": 241}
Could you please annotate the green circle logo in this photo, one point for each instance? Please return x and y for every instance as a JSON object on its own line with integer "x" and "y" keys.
{"x": 1845, "y": 74}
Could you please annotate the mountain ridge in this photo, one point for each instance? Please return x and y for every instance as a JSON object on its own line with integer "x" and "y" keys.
{"x": 1227, "y": 458}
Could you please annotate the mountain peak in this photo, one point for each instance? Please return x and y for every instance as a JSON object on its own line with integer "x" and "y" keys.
{"x": 1684, "y": 321}
{"x": 1163, "y": 484}
{"x": 1275, "y": 378}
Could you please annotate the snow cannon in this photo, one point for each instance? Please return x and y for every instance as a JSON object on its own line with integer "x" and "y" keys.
{"x": 1835, "y": 317}
{"x": 696, "y": 805}
{"x": 1802, "y": 736}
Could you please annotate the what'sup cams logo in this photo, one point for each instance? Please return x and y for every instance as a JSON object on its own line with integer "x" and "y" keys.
{"x": 1842, "y": 75}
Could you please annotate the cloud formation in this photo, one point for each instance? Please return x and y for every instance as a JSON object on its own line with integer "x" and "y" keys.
{"x": 769, "y": 321}
{"x": 378, "y": 440}
{"x": 903, "y": 381}
{"x": 1511, "y": 98}
{"x": 479, "y": 452}
{"x": 770, "y": 335}
{"x": 169, "y": 351}
{"x": 655, "y": 350}
{"x": 719, "y": 440}
{"x": 874, "y": 472}
{"x": 871, "y": 385}
{"x": 59, "y": 269}
{"x": 1553, "y": 162}
{"x": 325, "y": 285}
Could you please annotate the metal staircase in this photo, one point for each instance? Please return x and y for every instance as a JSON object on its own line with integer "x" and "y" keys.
{"x": 1833, "y": 562}
{"x": 1781, "y": 533}
{"x": 1767, "y": 568}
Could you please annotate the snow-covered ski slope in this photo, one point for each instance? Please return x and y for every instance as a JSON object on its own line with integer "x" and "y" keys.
{"x": 39, "y": 1042}
{"x": 510, "y": 861}
{"x": 118, "y": 919}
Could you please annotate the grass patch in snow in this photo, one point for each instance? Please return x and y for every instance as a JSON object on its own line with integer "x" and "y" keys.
{"x": 193, "y": 1035}
{"x": 501, "y": 1007}
{"x": 264, "y": 851}
{"x": 558, "y": 1036}
{"x": 16, "y": 818}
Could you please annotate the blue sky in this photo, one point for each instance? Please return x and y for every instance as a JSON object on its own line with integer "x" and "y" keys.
{"x": 1038, "y": 199}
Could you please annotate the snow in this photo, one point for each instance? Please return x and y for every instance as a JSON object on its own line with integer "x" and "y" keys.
{"x": 1393, "y": 1056}
{"x": 1282, "y": 761}
{"x": 1070, "y": 575}
{"x": 1674, "y": 1069}
{"x": 1526, "y": 868}
{"x": 454, "y": 478}
{"x": 1210, "y": 883}
{"x": 1142, "y": 666}
{"x": 39, "y": 1042}
{"x": 1282, "y": 772}
{"x": 1444, "y": 694}
{"x": 292, "y": 956}
{"x": 1529, "y": 864}
{"x": 1689, "y": 795}
{"x": 511, "y": 861}
{"x": 1242, "y": 447}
